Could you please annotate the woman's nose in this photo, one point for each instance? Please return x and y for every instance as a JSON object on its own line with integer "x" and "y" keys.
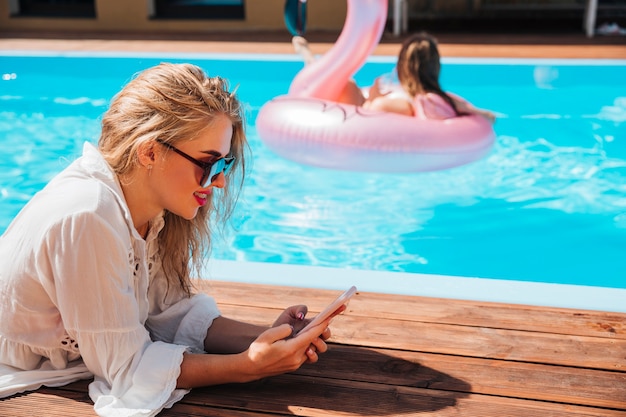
{"x": 219, "y": 180}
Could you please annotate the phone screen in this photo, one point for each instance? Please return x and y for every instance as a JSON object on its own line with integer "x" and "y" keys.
{"x": 330, "y": 310}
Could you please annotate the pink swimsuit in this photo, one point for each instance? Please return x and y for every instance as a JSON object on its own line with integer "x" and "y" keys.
{"x": 432, "y": 106}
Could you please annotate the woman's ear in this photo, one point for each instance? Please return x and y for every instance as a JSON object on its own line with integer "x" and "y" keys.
{"x": 145, "y": 154}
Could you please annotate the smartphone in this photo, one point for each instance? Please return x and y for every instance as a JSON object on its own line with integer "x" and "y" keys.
{"x": 330, "y": 310}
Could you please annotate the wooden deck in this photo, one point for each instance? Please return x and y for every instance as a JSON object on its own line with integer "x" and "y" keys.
{"x": 398, "y": 355}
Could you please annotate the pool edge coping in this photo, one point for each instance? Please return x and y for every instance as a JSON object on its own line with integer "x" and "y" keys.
{"x": 539, "y": 294}
{"x": 296, "y": 58}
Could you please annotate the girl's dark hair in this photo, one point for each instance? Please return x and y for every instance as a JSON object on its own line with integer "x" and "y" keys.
{"x": 419, "y": 65}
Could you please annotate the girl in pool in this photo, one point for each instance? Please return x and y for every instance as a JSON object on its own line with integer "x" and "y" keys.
{"x": 420, "y": 96}
{"x": 95, "y": 269}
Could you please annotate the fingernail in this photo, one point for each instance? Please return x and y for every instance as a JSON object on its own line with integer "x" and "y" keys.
{"x": 300, "y": 316}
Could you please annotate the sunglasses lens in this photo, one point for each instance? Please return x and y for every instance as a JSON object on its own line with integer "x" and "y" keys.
{"x": 228, "y": 164}
{"x": 221, "y": 165}
{"x": 216, "y": 169}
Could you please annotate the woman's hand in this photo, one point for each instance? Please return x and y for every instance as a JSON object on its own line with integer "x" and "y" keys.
{"x": 465, "y": 107}
{"x": 295, "y": 317}
{"x": 277, "y": 351}
{"x": 377, "y": 90}
{"x": 273, "y": 352}
{"x": 491, "y": 116}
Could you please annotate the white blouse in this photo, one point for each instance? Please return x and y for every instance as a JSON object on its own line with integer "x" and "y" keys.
{"x": 82, "y": 294}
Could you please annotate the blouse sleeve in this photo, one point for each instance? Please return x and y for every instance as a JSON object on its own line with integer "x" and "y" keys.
{"x": 176, "y": 318}
{"x": 84, "y": 262}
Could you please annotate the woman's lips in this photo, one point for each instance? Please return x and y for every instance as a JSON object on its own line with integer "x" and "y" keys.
{"x": 201, "y": 198}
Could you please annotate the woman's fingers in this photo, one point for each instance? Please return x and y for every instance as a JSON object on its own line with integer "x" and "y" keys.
{"x": 275, "y": 334}
{"x": 293, "y": 315}
{"x": 311, "y": 355}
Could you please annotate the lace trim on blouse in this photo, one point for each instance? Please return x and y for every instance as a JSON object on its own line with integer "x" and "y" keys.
{"x": 69, "y": 344}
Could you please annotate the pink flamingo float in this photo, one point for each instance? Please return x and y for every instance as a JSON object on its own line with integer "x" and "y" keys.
{"x": 309, "y": 126}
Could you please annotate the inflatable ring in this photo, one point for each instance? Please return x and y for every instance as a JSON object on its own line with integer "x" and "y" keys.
{"x": 309, "y": 126}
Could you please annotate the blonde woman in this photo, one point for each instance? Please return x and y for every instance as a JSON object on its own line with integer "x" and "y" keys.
{"x": 95, "y": 269}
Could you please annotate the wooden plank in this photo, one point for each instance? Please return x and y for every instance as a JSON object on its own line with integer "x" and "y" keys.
{"x": 480, "y": 376}
{"x": 548, "y": 348}
{"x": 183, "y": 409}
{"x": 429, "y": 310}
{"x": 308, "y": 396}
{"x": 49, "y": 402}
{"x": 581, "y": 351}
{"x": 62, "y": 402}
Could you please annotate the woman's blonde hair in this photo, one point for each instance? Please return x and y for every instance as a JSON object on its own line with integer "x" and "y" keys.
{"x": 172, "y": 103}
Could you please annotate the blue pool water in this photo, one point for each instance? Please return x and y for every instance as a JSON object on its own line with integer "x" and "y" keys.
{"x": 547, "y": 205}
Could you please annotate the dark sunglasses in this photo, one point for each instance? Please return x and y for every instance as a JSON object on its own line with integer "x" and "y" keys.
{"x": 210, "y": 170}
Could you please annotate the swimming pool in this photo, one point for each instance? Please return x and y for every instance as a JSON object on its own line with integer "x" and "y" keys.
{"x": 548, "y": 206}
